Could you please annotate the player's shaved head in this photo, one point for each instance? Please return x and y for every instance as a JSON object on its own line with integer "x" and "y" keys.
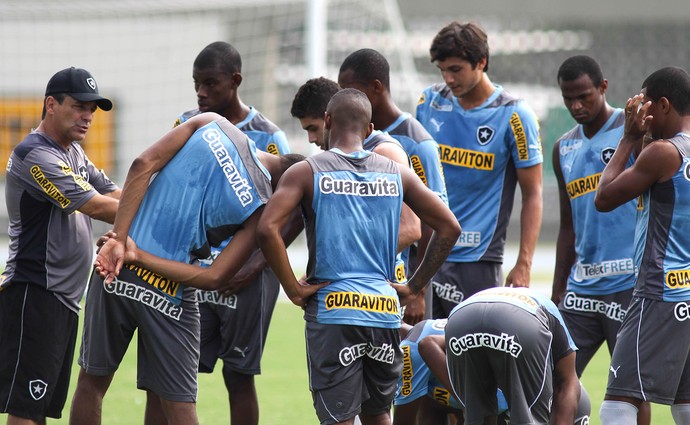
{"x": 219, "y": 54}
{"x": 349, "y": 110}
{"x": 367, "y": 65}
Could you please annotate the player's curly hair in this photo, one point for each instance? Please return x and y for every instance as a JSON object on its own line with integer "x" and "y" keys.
{"x": 312, "y": 98}
{"x": 465, "y": 41}
{"x": 575, "y": 66}
{"x": 673, "y": 83}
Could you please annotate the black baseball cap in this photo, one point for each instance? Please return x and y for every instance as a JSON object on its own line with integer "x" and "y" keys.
{"x": 79, "y": 84}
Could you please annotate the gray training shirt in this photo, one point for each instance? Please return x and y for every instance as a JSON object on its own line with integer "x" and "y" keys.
{"x": 51, "y": 243}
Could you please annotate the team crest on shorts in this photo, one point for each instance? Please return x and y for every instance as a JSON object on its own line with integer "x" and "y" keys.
{"x": 607, "y": 154}
{"x": 485, "y": 134}
{"x": 37, "y": 389}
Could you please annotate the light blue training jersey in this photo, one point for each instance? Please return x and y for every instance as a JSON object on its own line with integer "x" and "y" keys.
{"x": 663, "y": 234}
{"x": 480, "y": 150}
{"x": 604, "y": 242}
{"x": 202, "y": 196}
{"x": 266, "y": 135}
{"x": 422, "y": 150}
{"x": 352, "y": 236}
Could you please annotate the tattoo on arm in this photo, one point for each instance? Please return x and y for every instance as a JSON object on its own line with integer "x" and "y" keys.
{"x": 436, "y": 254}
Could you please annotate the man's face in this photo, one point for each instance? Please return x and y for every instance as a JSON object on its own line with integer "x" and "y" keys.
{"x": 459, "y": 75}
{"x": 314, "y": 128}
{"x": 214, "y": 88}
{"x": 72, "y": 119}
{"x": 583, "y": 99}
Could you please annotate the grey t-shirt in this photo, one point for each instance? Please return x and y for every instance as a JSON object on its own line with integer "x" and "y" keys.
{"x": 51, "y": 243}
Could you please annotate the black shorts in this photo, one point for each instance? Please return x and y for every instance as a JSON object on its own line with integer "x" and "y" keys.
{"x": 352, "y": 369}
{"x": 37, "y": 338}
{"x": 455, "y": 282}
{"x": 234, "y": 328}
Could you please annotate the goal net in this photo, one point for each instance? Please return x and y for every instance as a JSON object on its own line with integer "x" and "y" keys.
{"x": 141, "y": 54}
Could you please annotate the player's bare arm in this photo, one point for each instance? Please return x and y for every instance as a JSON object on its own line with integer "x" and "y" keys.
{"x": 530, "y": 181}
{"x": 433, "y": 350}
{"x": 292, "y": 189}
{"x": 566, "y": 391}
{"x": 144, "y": 166}
{"x": 432, "y": 211}
{"x": 565, "y": 242}
{"x": 410, "y": 226}
{"x": 657, "y": 162}
{"x": 257, "y": 262}
{"x": 100, "y": 207}
{"x": 214, "y": 277}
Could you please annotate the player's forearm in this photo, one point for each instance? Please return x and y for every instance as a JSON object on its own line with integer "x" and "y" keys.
{"x": 565, "y": 258}
{"x": 439, "y": 247}
{"x": 410, "y": 228}
{"x": 565, "y": 401}
{"x": 530, "y": 226}
{"x": 274, "y": 250}
{"x": 433, "y": 351}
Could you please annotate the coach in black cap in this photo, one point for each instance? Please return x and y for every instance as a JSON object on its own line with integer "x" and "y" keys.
{"x": 79, "y": 84}
{"x": 48, "y": 180}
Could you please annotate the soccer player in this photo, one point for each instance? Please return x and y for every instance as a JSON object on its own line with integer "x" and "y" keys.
{"x": 309, "y": 106}
{"x": 210, "y": 184}
{"x": 422, "y": 398}
{"x": 513, "y": 339}
{"x": 595, "y": 270}
{"x": 234, "y": 325}
{"x": 352, "y": 201}
{"x": 368, "y": 71}
{"x": 489, "y": 143}
{"x": 650, "y": 360}
{"x": 52, "y": 193}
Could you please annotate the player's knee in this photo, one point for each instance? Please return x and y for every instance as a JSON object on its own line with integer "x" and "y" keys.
{"x": 681, "y": 414}
{"x": 617, "y": 413}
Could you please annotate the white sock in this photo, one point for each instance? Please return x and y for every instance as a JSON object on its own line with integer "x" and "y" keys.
{"x": 617, "y": 413}
{"x": 681, "y": 414}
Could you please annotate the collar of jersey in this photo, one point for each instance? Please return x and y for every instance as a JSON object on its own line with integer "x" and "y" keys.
{"x": 250, "y": 116}
{"x": 397, "y": 122}
{"x": 497, "y": 92}
{"x": 355, "y": 154}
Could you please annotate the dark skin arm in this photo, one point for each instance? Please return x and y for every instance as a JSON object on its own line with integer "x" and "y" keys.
{"x": 214, "y": 277}
{"x": 565, "y": 243}
{"x": 433, "y": 350}
{"x": 410, "y": 230}
{"x": 432, "y": 211}
{"x": 656, "y": 163}
{"x": 257, "y": 262}
{"x": 566, "y": 391}
{"x": 295, "y": 186}
{"x": 414, "y": 311}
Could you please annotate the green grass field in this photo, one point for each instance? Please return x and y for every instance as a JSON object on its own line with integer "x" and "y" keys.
{"x": 283, "y": 387}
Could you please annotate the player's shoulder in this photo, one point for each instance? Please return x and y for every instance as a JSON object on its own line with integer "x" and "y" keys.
{"x": 435, "y": 92}
{"x": 185, "y": 116}
{"x": 411, "y": 129}
{"x": 38, "y": 144}
{"x": 258, "y": 122}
